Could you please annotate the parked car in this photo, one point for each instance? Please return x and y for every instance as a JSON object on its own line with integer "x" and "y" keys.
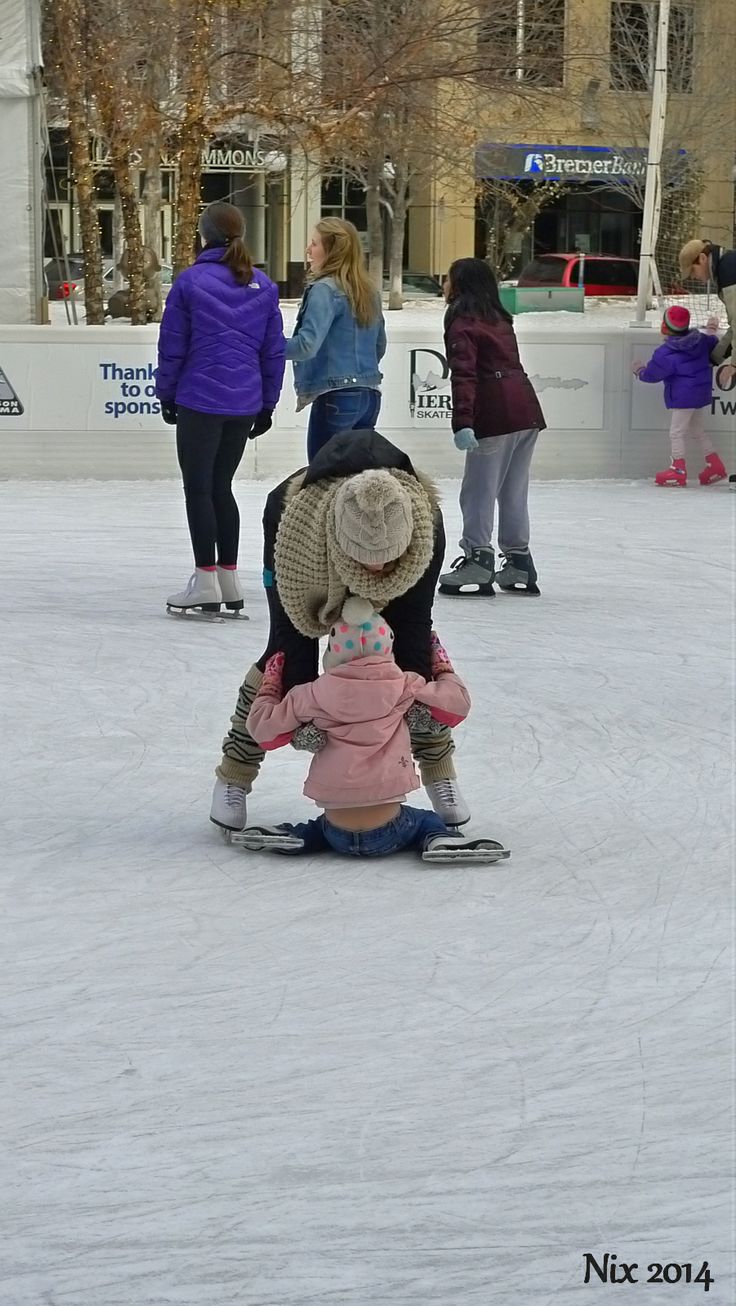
{"x": 603, "y": 274}
{"x": 108, "y": 279}
{"x": 64, "y": 276}
{"x": 417, "y": 284}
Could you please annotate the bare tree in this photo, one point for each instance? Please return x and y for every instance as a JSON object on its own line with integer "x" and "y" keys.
{"x": 385, "y": 85}
{"x": 425, "y": 72}
{"x": 697, "y": 114}
{"x": 508, "y": 210}
{"x": 68, "y": 68}
{"x": 116, "y": 51}
{"x": 100, "y": 56}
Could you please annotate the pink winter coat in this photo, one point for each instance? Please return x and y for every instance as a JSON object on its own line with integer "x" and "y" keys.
{"x": 360, "y": 706}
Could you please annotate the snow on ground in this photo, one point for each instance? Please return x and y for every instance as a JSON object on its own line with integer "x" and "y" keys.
{"x": 601, "y": 314}
{"x": 232, "y": 1080}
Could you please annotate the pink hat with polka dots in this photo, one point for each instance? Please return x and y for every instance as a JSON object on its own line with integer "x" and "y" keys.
{"x": 359, "y": 632}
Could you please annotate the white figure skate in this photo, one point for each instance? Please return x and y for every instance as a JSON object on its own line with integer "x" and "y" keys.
{"x": 200, "y": 600}
{"x": 448, "y": 802}
{"x": 229, "y": 807}
{"x": 232, "y": 594}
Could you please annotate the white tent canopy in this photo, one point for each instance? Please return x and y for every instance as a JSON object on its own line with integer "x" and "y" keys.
{"x": 21, "y": 283}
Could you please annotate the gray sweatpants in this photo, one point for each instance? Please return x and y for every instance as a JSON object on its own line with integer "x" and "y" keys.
{"x": 497, "y": 471}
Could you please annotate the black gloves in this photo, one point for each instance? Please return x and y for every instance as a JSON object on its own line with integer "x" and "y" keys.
{"x": 262, "y": 423}
{"x": 168, "y": 411}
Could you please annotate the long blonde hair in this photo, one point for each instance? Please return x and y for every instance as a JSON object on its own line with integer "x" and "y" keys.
{"x": 344, "y": 262}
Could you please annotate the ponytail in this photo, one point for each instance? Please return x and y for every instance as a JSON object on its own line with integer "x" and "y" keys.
{"x": 237, "y": 258}
{"x": 222, "y": 225}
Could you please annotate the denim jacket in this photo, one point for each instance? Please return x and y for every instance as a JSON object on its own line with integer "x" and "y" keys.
{"x": 328, "y": 348}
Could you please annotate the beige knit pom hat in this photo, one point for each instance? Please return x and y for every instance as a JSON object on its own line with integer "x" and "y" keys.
{"x": 373, "y": 518}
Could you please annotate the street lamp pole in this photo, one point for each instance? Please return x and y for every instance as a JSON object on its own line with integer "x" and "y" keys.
{"x": 652, "y": 195}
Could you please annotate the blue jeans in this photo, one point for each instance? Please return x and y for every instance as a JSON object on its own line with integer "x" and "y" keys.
{"x": 341, "y": 410}
{"x": 410, "y": 829}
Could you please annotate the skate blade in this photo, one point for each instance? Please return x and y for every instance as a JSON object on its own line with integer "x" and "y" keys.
{"x": 532, "y": 590}
{"x": 264, "y": 842}
{"x": 224, "y": 831}
{"x": 226, "y": 612}
{"x": 481, "y": 851}
{"x": 469, "y": 591}
{"x": 195, "y": 614}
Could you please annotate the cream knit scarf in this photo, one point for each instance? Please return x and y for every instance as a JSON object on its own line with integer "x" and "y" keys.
{"x": 314, "y": 575}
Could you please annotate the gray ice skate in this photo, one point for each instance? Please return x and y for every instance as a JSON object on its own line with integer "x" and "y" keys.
{"x": 471, "y": 573}
{"x": 518, "y": 574}
{"x": 442, "y": 849}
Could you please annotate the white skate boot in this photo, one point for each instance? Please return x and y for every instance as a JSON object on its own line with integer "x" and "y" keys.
{"x": 229, "y": 805}
{"x": 232, "y": 594}
{"x": 448, "y": 802}
{"x": 201, "y": 598}
{"x": 440, "y": 850}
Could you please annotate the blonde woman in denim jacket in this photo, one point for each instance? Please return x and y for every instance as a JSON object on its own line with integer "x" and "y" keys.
{"x": 339, "y": 338}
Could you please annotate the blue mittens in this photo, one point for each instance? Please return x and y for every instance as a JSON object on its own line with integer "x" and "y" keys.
{"x": 465, "y": 439}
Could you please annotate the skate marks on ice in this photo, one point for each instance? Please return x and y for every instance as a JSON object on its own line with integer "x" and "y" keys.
{"x": 329, "y": 1082}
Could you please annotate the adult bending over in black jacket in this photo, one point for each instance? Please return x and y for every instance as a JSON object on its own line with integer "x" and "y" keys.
{"x": 701, "y": 260}
{"x": 360, "y": 521}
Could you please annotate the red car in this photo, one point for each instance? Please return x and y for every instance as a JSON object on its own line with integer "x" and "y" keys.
{"x": 603, "y": 274}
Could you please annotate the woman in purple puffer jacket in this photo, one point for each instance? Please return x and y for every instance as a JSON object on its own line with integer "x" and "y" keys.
{"x": 220, "y": 370}
{"x": 683, "y": 362}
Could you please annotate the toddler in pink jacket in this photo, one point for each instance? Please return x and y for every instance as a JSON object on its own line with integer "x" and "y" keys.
{"x": 364, "y": 772}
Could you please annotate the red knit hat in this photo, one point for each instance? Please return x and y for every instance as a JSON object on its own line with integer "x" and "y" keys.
{"x": 676, "y": 320}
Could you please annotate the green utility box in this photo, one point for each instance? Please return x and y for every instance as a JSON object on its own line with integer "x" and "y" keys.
{"x": 533, "y": 299}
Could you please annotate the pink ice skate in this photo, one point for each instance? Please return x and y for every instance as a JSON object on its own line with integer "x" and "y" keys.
{"x": 676, "y": 474}
{"x": 713, "y": 471}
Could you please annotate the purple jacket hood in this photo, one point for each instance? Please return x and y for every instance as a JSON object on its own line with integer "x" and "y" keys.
{"x": 221, "y": 343}
{"x": 683, "y": 364}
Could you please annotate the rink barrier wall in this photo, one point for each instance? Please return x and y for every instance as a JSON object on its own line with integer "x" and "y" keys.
{"x": 80, "y": 403}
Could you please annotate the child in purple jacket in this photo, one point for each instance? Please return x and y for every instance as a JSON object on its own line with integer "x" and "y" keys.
{"x": 221, "y": 355}
{"x": 683, "y": 363}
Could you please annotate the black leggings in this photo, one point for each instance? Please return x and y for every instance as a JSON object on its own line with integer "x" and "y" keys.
{"x": 209, "y": 448}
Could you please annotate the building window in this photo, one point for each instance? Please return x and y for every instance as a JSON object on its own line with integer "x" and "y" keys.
{"x": 634, "y": 46}
{"x": 523, "y": 40}
{"x": 343, "y": 197}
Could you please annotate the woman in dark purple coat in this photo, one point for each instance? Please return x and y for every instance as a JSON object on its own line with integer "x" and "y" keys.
{"x": 220, "y": 370}
{"x": 496, "y": 419}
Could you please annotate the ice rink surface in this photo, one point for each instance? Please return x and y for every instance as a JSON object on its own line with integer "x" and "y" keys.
{"x": 235, "y": 1080}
